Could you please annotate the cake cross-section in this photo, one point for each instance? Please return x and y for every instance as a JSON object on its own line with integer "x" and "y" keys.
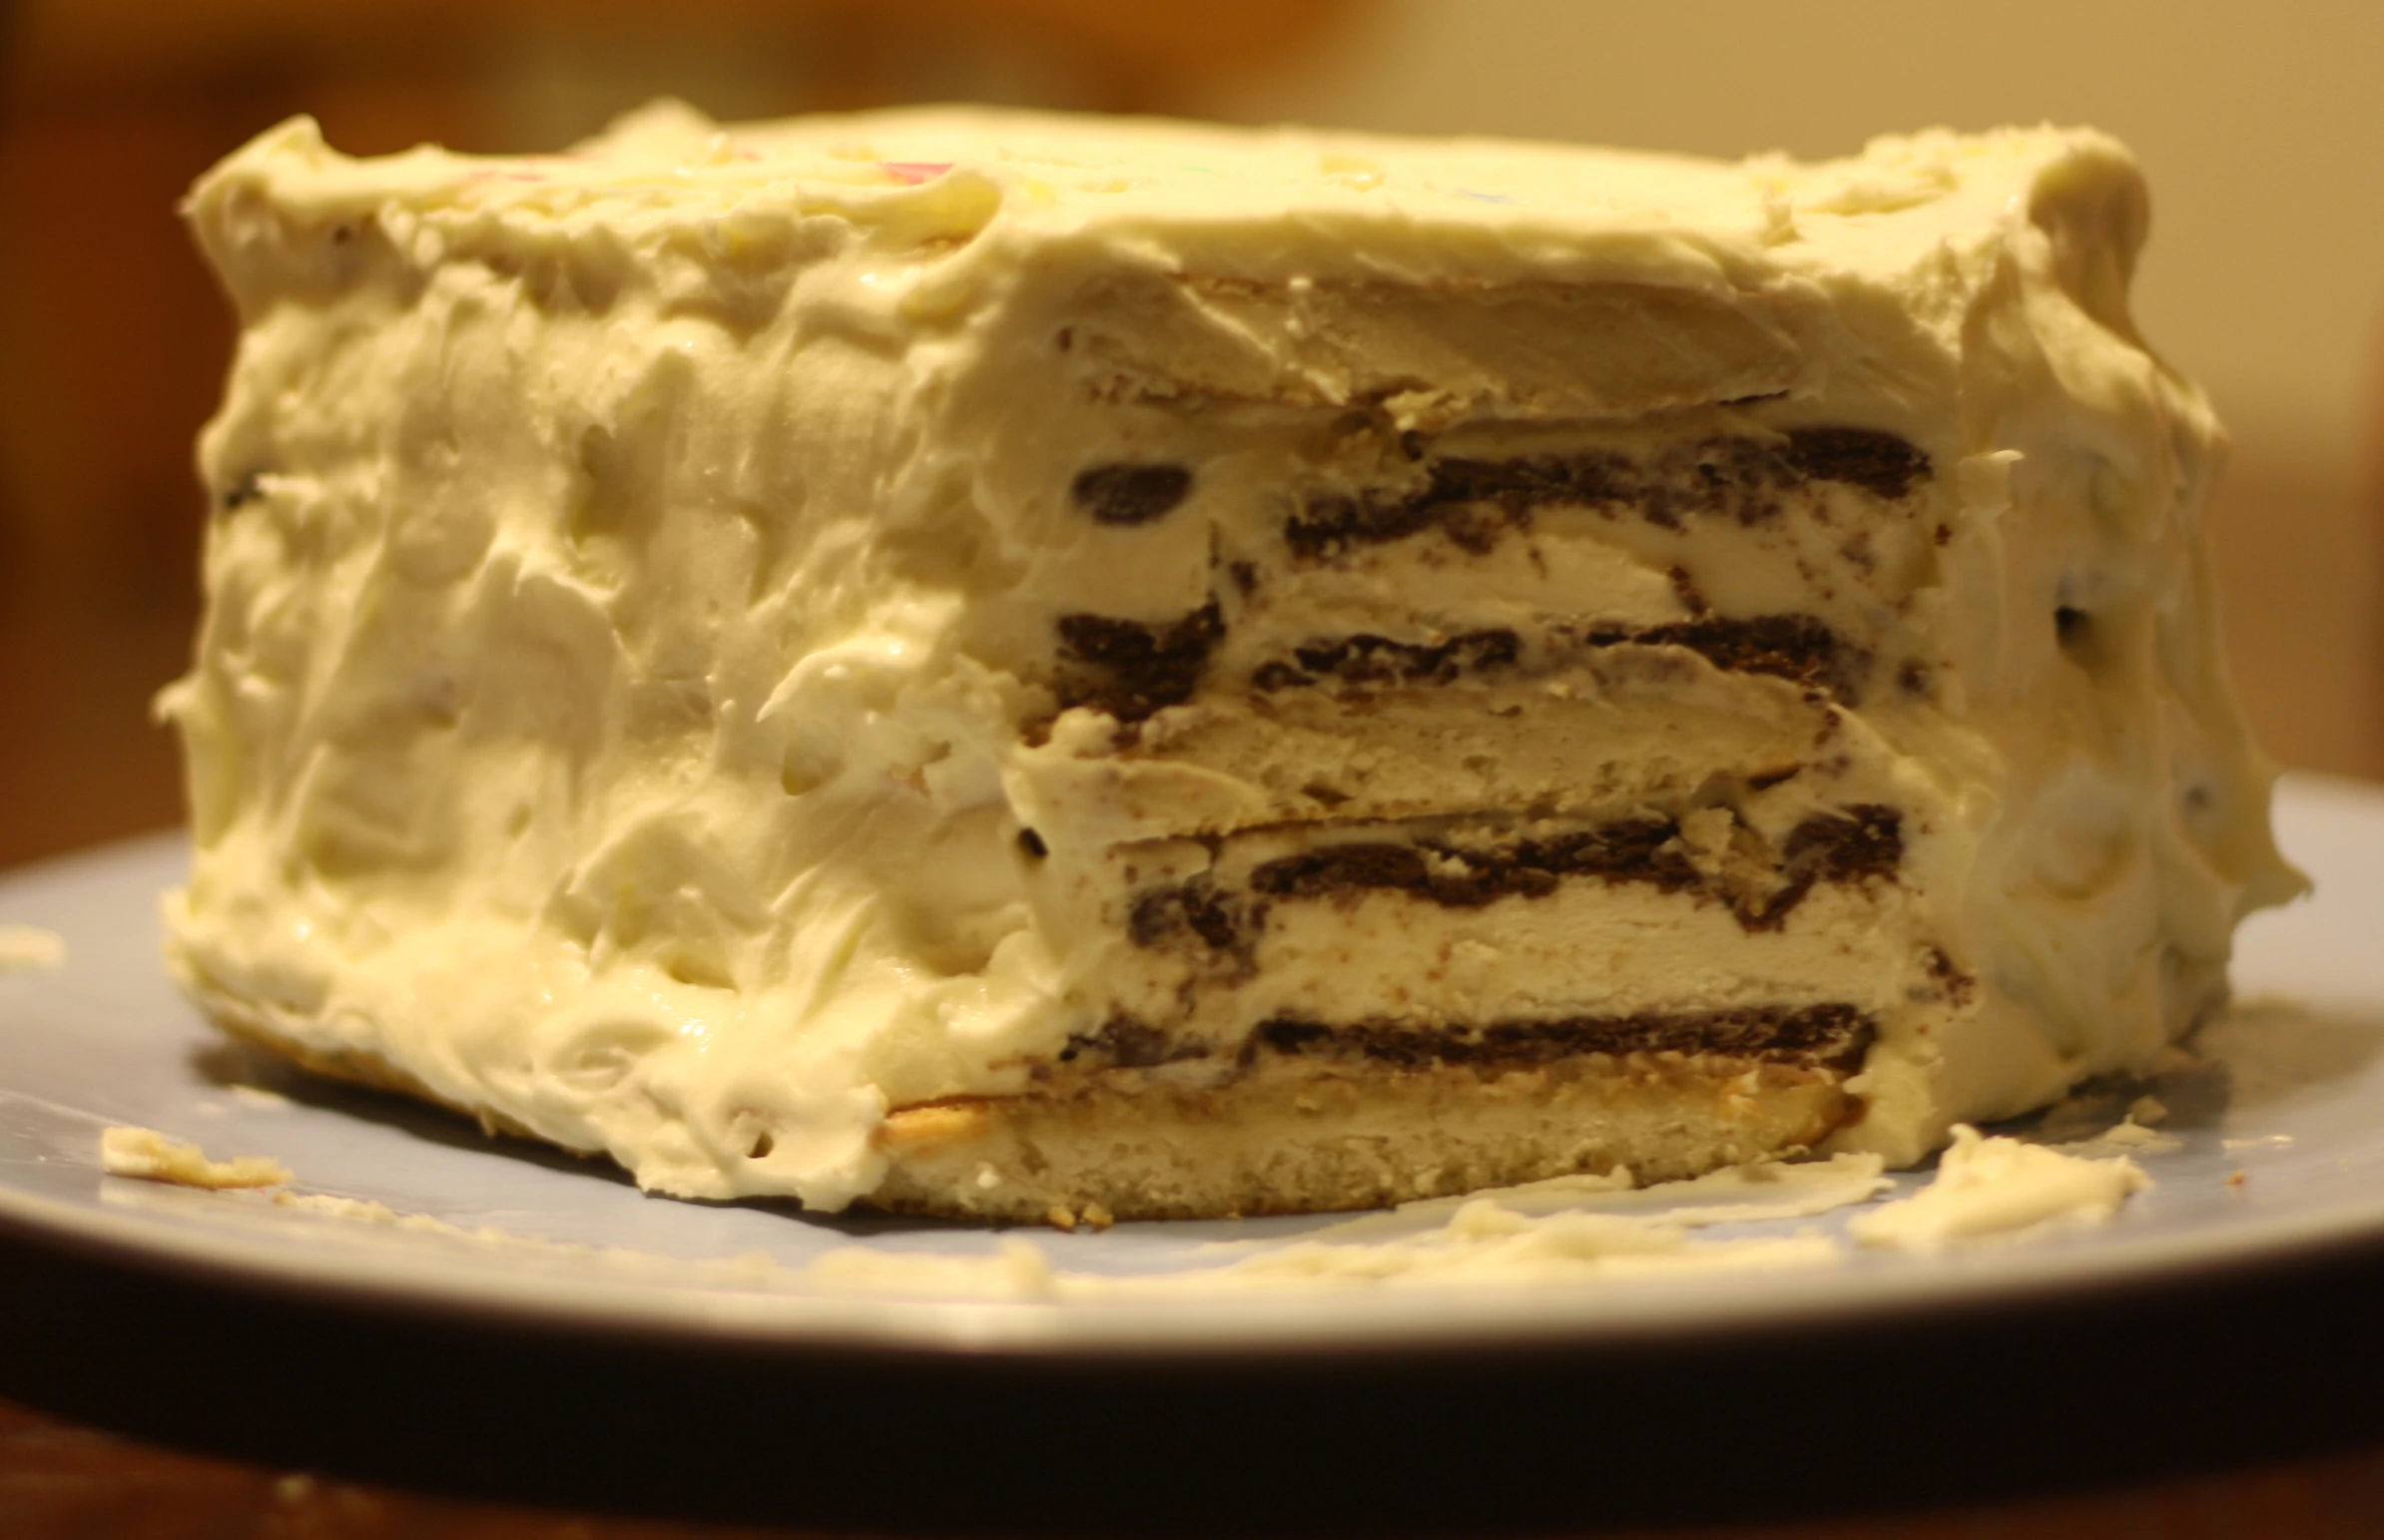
{"x": 993, "y": 664}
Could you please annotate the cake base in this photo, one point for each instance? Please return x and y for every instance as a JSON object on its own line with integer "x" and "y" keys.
{"x": 1290, "y": 1137}
{"x": 1299, "y": 1137}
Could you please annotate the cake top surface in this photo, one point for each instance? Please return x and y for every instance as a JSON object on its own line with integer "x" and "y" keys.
{"x": 928, "y": 175}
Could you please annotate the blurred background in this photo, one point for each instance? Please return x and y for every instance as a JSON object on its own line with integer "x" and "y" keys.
{"x": 2260, "y": 126}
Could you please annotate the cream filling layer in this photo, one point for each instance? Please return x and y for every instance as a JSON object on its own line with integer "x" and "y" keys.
{"x": 1588, "y": 950}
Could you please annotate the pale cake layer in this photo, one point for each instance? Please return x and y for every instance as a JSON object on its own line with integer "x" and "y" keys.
{"x": 1623, "y": 726}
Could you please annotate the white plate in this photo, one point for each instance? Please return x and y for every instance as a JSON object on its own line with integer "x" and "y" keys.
{"x": 2288, "y": 1162}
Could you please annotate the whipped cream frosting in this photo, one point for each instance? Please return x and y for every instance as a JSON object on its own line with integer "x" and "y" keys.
{"x": 2002, "y": 1190}
{"x": 626, "y": 692}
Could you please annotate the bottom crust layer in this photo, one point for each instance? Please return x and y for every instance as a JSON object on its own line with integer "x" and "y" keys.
{"x": 1300, "y": 1138}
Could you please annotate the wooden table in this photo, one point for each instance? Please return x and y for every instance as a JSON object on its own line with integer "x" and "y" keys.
{"x": 140, "y": 1403}
{"x": 62, "y": 1478}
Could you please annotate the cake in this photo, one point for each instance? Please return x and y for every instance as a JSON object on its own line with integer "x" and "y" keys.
{"x": 1009, "y": 665}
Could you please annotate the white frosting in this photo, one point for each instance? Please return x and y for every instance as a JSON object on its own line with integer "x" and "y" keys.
{"x": 2127, "y": 1134}
{"x": 1998, "y": 1189}
{"x": 1568, "y": 1230}
{"x": 638, "y": 570}
{"x": 1758, "y": 1192}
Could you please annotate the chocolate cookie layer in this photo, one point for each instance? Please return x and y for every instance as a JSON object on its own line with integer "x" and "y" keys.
{"x": 1741, "y": 478}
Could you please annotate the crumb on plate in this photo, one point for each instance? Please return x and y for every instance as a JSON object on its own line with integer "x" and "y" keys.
{"x": 31, "y": 949}
{"x": 151, "y": 1155}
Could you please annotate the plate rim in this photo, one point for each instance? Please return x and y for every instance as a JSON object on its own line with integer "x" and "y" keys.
{"x": 2027, "y": 1273}
{"x": 1425, "y": 1320}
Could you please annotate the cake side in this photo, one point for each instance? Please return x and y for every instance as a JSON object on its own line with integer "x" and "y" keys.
{"x": 820, "y": 665}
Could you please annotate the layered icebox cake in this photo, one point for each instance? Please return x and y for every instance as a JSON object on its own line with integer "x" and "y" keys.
{"x": 1012, "y": 665}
